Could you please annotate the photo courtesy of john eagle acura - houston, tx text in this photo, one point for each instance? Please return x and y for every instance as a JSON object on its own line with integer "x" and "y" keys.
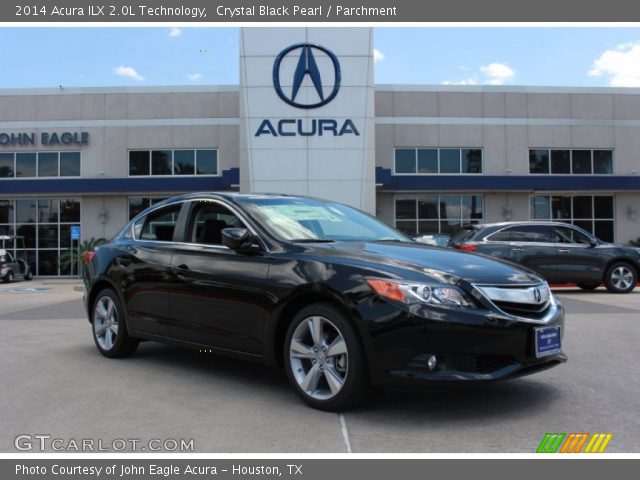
{"x": 337, "y": 297}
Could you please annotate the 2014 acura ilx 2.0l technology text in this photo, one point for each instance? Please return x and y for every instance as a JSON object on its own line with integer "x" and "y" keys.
{"x": 340, "y": 299}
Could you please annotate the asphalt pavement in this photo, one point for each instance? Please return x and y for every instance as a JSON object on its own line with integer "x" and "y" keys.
{"x": 55, "y": 383}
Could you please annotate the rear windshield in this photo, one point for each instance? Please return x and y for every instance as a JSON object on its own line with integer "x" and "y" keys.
{"x": 463, "y": 235}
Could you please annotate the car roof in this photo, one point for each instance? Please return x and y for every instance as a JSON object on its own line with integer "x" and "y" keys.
{"x": 481, "y": 226}
{"x": 234, "y": 196}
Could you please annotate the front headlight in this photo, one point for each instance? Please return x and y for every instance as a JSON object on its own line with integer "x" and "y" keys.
{"x": 414, "y": 293}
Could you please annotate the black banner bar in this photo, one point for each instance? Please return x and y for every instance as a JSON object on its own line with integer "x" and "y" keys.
{"x": 309, "y": 11}
{"x": 316, "y": 469}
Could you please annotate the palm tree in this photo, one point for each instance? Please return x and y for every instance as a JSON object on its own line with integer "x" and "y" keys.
{"x": 70, "y": 258}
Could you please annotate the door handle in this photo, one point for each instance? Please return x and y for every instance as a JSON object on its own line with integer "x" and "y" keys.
{"x": 516, "y": 249}
{"x": 563, "y": 250}
{"x": 181, "y": 271}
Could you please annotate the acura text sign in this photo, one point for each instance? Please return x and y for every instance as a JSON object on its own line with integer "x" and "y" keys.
{"x": 325, "y": 86}
{"x": 307, "y": 113}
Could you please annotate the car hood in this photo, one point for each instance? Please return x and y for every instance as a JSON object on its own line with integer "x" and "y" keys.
{"x": 441, "y": 264}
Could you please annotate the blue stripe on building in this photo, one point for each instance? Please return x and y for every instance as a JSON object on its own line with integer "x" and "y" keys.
{"x": 74, "y": 186}
{"x": 505, "y": 183}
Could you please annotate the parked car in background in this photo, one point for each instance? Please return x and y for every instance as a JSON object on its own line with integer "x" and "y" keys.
{"x": 336, "y": 297}
{"x": 560, "y": 252}
{"x": 12, "y": 269}
{"x": 434, "y": 239}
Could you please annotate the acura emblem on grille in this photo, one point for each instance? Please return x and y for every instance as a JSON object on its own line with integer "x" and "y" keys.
{"x": 537, "y": 295}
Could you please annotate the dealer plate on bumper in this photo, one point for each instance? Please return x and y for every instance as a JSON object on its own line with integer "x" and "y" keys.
{"x": 548, "y": 341}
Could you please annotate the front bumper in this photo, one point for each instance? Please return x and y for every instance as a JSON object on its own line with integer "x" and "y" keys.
{"x": 468, "y": 344}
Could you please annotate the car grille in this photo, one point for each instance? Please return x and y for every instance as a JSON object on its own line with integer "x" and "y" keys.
{"x": 478, "y": 363}
{"x": 529, "y": 301}
{"x": 463, "y": 363}
{"x": 523, "y": 309}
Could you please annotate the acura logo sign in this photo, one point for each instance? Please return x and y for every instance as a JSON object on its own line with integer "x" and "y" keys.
{"x": 306, "y": 67}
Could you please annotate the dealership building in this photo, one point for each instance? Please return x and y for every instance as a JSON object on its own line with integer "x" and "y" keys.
{"x": 307, "y": 118}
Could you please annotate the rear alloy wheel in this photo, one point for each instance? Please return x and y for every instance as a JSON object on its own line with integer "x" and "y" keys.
{"x": 620, "y": 278}
{"x": 109, "y": 328}
{"x": 588, "y": 286}
{"x": 9, "y": 277}
{"x": 324, "y": 360}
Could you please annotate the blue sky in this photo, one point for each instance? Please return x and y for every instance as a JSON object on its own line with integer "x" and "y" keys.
{"x": 48, "y": 57}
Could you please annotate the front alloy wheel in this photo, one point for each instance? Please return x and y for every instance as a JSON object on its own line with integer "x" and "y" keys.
{"x": 109, "y": 329}
{"x": 621, "y": 278}
{"x": 324, "y": 359}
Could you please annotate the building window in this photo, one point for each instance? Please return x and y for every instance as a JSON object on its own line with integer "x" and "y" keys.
{"x": 138, "y": 204}
{"x": 593, "y": 213}
{"x": 45, "y": 224}
{"x": 576, "y": 162}
{"x": 173, "y": 162}
{"x": 39, "y": 164}
{"x": 445, "y": 161}
{"x": 425, "y": 214}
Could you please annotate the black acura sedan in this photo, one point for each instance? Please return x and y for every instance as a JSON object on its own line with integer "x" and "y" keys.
{"x": 338, "y": 298}
{"x": 559, "y": 252}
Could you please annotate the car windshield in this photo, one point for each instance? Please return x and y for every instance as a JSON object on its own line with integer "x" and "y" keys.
{"x": 310, "y": 220}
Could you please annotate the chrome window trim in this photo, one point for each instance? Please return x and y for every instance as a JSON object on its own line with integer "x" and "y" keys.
{"x": 487, "y": 240}
{"x": 230, "y": 207}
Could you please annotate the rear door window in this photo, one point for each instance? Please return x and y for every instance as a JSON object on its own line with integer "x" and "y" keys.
{"x": 501, "y": 236}
{"x": 532, "y": 234}
{"x": 158, "y": 225}
{"x": 463, "y": 235}
{"x": 524, "y": 233}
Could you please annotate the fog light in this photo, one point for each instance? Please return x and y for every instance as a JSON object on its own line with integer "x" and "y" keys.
{"x": 432, "y": 362}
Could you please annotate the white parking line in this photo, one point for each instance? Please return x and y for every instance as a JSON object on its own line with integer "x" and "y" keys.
{"x": 345, "y": 432}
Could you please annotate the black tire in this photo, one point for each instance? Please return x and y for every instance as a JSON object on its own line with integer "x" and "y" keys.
{"x": 620, "y": 277}
{"x": 123, "y": 345}
{"x": 588, "y": 286}
{"x": 350, "y": 367}
{"x": 28, "y": 276}
{"x": 9, "y": 277}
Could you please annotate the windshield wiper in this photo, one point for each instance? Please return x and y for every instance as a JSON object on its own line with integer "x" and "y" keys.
{"x": 312, "y": 240}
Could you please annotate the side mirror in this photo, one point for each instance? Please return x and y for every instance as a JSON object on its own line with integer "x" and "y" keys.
{"x": 240, "y": 239}
{"x": 593, "y": 242}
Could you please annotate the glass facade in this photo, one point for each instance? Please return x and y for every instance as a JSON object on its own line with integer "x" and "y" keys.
{"x": 39, "y": 164}
{"x": 433, "y": 213}
{"x": 138, "y": 204}
{"x": 173, "y": 162}
{"x": 45, "y": 224}
{"x": 445, "y": 161}
{"x": 566, "y": 162}
{"x": 593, "y": 213}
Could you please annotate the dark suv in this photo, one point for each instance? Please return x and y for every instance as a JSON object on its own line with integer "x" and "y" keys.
{"x": 560, "y": 252}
